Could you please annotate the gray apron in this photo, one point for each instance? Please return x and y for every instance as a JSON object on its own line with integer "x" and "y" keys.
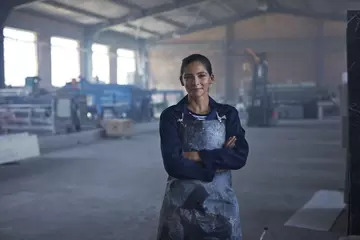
{"x": 196, "y": 210}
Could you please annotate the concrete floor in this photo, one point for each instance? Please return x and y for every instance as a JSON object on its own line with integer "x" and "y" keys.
{"x": 113, "y": 189}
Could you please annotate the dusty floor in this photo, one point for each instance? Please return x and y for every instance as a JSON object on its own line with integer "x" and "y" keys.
{"x": 113, "y": 189}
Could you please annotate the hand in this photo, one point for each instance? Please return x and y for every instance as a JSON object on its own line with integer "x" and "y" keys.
{"x": 192, "y": 156}
{"x": 230, "y": 143}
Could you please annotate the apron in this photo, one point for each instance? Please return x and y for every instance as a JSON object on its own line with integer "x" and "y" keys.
{"x": 196, "y": 210}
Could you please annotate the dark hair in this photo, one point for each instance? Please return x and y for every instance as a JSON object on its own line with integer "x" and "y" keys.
{"x": 196, "y": 58}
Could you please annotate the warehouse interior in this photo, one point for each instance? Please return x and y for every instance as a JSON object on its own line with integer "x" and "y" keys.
{"x": 141, "y": 43}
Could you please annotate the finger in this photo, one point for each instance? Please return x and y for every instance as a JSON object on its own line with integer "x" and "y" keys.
{"x": 230, "y": 144}
{"x": 232, "y": 141}
{"x": 229, "y": 140}
{"x": 227, "y": 144}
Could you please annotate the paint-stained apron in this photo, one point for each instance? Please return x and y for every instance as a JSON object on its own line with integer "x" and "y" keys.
{"x": 196, "y": 210}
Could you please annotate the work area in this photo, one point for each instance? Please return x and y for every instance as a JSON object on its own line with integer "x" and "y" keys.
{"x": 84, "y": 193}
{"x": 83, "y": 84}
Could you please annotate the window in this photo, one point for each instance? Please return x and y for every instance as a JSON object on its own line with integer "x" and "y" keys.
{"x": 101, "y": 62}
{"x": 126, "y": 66}
{"x": 20, "y": 56}
{"x": 65, "y": 60}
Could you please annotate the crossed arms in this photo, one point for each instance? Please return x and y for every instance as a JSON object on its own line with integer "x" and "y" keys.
{"x": 185, "y": 165}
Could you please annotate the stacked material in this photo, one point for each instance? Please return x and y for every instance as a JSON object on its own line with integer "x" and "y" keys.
{"x": 118, "y": 127}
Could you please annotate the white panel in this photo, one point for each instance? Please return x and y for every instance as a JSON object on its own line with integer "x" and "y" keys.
{"x": 320, "y": 212}
{"x": 16, "y": 147}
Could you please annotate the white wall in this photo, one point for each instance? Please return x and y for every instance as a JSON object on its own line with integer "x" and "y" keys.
{"x": 46, "y": 28}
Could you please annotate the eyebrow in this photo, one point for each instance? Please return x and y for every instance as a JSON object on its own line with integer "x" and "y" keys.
{"x": 202, "y": 72}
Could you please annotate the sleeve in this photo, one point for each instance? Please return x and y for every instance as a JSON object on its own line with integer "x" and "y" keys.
{"x": 176, "y": 165}
{"x": 229, "y": 158}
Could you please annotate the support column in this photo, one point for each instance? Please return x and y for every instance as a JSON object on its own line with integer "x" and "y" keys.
{"x": 44, "y": 60}
{"x": 113, "y": 65}
{"x": 86, "y": 56}
{"x": 319, "y": 55}
{"x": 146, "y": 69}
{"x": 353, "y": 58}
{"x": 141, "y": 60}
{"x": 230, "y": 90}
{"x": 4, "y": 13}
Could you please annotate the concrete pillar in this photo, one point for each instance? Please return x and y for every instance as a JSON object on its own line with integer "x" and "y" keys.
{"x": 230, "y": 90}
{"x": 113, "y": 65}
{"x": 86, "y": 55}
{"x": 4, "y": 13}
{"x": 44, "y": 60}
{"x": 146, "y": 69}
{"x": 141, "y": 65}
{"x": 353, "y": 57}
{"x": 319, "y": 55}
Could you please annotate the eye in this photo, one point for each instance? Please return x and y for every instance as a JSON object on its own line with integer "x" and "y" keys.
{"x": 188, "y": 77}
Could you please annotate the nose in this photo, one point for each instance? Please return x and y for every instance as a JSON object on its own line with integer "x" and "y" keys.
{"x": 196, "y": 81}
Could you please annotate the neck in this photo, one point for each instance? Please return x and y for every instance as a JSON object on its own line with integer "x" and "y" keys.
{"x": 199, "y": 105}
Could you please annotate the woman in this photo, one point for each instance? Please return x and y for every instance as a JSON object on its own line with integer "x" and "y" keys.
{"x": 201, "y": 141}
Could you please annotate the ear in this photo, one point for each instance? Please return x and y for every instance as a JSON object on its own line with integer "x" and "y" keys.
{"x": 212, "y": 79}
{"x": 181, "y": 81}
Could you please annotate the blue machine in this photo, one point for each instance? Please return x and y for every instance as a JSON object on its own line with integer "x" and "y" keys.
{"x": 113, "y": 100}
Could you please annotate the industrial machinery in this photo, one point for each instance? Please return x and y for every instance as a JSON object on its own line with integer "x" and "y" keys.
{"x": 295, "y": 101}
{"x": 161, "y": 99}
{"x": 113, "y": 100}
{"x": 303, "y": 101}
{"x": 32, "y": 109}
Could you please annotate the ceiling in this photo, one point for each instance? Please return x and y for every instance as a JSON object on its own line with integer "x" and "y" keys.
{"x": 163, "y": 19}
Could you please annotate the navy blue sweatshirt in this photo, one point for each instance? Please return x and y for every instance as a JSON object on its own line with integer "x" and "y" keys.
{"x": 177, "y": 166}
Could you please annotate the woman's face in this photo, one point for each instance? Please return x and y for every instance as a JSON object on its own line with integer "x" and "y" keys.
{"x": 196, "y": 79}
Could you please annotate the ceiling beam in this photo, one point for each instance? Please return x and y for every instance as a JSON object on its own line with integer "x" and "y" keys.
{"x": 143, "y": 13}
{"x": 272, "y": 10}
{"x": 142, "y": 29}
{"x": 133, "y": 6}
{"x": 205, "y": 26}
{"x": 262, "y": 45}
{"x": 198, "y": 11}
{"x": 309, "y": 13}
{"x": 20, "y": 3}
{"x": 170, "y": 21}
{"x": 58, "y": 19}
{"x": 76, "y": 10}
